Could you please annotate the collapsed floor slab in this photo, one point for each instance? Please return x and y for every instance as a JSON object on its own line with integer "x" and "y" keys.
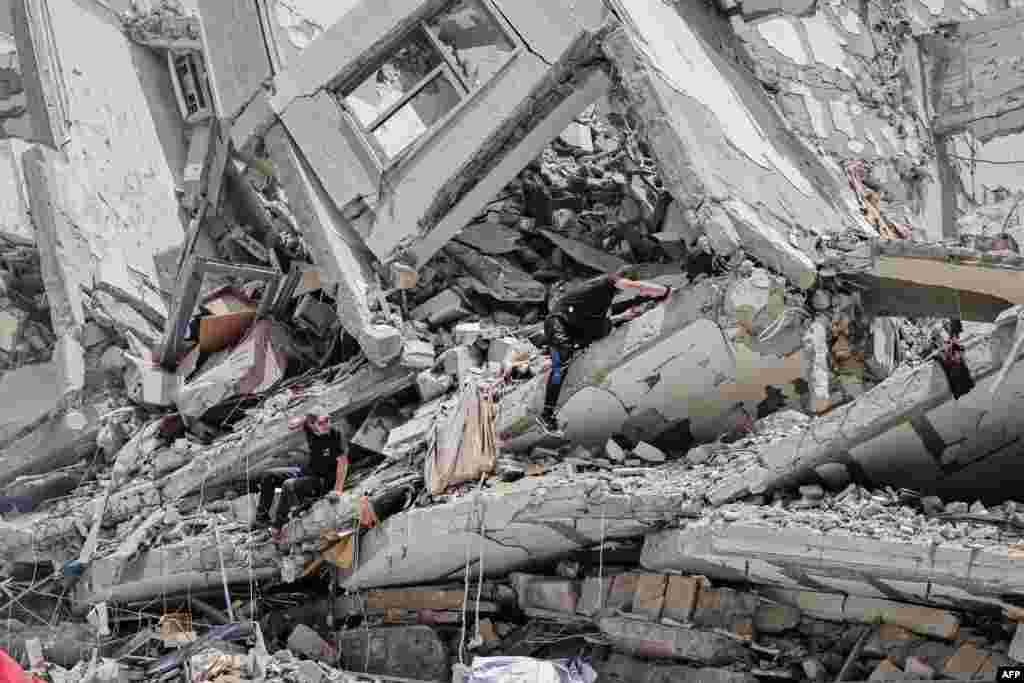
{"x": 915, "y": 401}
{"x": 909, "y": 569}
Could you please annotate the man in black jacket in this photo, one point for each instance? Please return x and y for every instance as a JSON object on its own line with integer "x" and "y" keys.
{"x": 328, "y": 449}
{"x": 578, "y": 318}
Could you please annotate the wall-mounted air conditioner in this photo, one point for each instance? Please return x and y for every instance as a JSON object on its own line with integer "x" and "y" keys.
{"x": 188, "y": 74}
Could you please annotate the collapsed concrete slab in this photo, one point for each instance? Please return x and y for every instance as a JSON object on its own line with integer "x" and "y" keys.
{"x": 910, "y": 418}
{"x": 336, "y": 250}
{"x": 720, "y": 145}
{"x": 530, "y": 521}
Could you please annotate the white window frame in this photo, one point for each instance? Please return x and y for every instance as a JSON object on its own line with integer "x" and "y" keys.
{"x": 447, "y": 67}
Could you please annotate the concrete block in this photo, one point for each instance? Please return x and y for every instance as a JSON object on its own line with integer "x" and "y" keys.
{"x": 541, "y": 593}
{"x": 649, "y": 598}
{"x": 967, "y": 663}
{"x": 1016, "y": 651}
{"x": 401, "y": 651}
{"x": 307, "y": 642}
{"x": 648, "y": 639}
{"x": 417, "y": 354}
{"x": 505, "y": 350}
{"x": 441, "y": 309}
{"x": 468, "y": 333}
{"x": 725, "y": 608}
{"x": 620, "y": 668}
{"x": 649, "y": 453}
{"x": 926, "y": 621}
{"x": 681, "y": 597}
{"x": 151, "y": 385}
{"x": 776, "y": 618}
{"x": 459, "y": 361}
{"x": 432, "y": 385}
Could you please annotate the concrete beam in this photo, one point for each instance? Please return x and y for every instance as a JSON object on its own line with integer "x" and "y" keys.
{"x": 337, "y": 250}
{"x": 917, "y": 571}
{"x": 237, "y": 60}
{"x": 909, "y": 393}
{"x": 41, "y": 72}
{"x": 63, "y": 439}
{"x": 532, "y": 520}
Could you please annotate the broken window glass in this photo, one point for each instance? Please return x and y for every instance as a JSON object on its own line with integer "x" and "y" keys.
{"x": 399, "y": 74}
{"x": 476, "y": 44}
{"x": 415, "y": 117}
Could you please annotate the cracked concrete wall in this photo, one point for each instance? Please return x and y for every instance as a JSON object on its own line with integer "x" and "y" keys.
{"x": 724, "y": 152}
{"x": 108, "y": 197}
{"x": 236, "y": 52}
{"x": 336, "y": 248}
{"x": 400, "y": 200}
{"x": 978, "y": 76}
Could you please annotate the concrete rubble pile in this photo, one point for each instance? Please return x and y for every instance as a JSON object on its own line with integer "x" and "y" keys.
{"x": 799, "y": 465}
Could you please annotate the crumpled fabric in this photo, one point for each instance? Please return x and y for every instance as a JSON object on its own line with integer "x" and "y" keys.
{"x": 529, "y": 670}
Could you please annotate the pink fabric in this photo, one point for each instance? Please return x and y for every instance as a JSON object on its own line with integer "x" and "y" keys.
{"x": 11, "y": 671}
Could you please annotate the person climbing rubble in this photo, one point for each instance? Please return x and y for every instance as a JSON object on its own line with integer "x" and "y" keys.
{"x": 281, "y": 488}
{"x": 579, "y": 317}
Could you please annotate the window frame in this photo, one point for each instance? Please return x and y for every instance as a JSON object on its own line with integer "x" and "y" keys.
{"x": 447, "y": 68}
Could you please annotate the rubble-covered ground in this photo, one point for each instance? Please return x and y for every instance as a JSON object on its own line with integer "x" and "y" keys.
{"x": 719, "y": 505}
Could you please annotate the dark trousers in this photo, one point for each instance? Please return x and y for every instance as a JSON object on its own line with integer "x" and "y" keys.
{"x": 295, "y": 486}
{"x": 560, "y": 342}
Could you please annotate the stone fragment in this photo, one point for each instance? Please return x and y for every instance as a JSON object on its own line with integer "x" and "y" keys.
{"x": 812, "y": 492}
{"x": 417, "y": 354}
{"x": 441, "y": 309}
{"x": 579, "y": 136}
{"x": 771, "y": 618}
{"x": 614, "y": 451}
{"x": 308, "y": 643}
{"x": 431, "y": 385}
{"x": 698, "y": 455}
{"x": 834, "y": 475}
{"x": 967, "y": 663}
{"x": 459, "y": 361}
{"x": 548, "y": 595}
{"x": 648, "y": 639}
{"x": 621, "y": 668}
{"x": 814, "y": 669}
{"x": 1016, "y": 651}
{"x": 648, "y": 453}
{"x": 887, "y": 670}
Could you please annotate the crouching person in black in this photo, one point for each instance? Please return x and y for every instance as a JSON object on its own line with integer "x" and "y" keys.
{"x": 281, "y": 488}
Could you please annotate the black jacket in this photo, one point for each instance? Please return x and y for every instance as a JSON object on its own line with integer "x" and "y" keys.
{"x": 323, "y": 453}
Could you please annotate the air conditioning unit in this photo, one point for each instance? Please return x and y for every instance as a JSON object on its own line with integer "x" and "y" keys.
{"x": 188, "y": 74}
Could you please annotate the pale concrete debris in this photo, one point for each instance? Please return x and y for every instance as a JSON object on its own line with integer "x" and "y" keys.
{"x": 724, "y": 496}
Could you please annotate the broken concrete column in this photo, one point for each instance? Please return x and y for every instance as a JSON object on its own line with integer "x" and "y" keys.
{"x": 337, "y": 250}
{"x": 816, "y": 363}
